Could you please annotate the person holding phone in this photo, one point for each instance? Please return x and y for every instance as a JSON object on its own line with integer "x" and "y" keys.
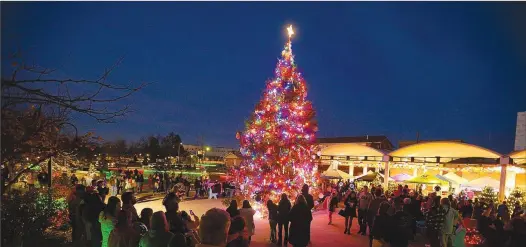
{"x": 350, "y": 201}
{"x": 190, "y": 226}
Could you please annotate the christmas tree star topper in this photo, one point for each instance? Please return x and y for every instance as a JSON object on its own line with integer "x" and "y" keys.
{"x": 290, "y": 31}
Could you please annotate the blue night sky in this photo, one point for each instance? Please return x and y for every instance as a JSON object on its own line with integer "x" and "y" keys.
{"x": 446, "y": 70}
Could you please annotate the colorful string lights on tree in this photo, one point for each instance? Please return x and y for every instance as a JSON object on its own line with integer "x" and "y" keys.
{"x": 278, "y": 143}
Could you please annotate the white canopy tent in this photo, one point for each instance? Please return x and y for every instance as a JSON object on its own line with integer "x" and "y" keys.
{"x": 480, "y": 183}
{"x": 456, "y": 178}
{"x": 371, "y": 172}
{"x": 334, "y": 173}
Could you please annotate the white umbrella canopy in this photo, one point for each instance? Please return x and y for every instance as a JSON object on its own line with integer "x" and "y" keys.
{"x": 456, "y": 178}
{"x": 332, "y": 173}
{"x": 401, "y": 177}
{"x": 482, "y": 182}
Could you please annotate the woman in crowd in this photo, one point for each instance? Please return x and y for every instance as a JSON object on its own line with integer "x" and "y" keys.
{"x": 156, "y": 184}
{"x": 435, "y": 218}
{"x": 128, "y": 185}
{"x": 248, "y": 214}
{"x": 123, "y": 235}
{"x": 146, "y": 216}
{"x": 90, "y": 215}
{"x": 401, "y": 228}
{"x": 175, "y": 222}
{"x": 283, "y": 218}
{"x": 517, "y": 210}
{"x": 517, "y": 229}
{"x": 467, "y": 209}
{"x": 109, "y": 184}
{"x": 382, "y": 225}
{"x": 74, "y": 202}
{"x": 102, "y": 189}
{"x": 491, "y": 228}
{"x": 272, "y": 219}
{"x": 232, "y": 209}
{"x": 300, "y": 217}
{"x": 159, "y": 234}
{"x": 333, "y": 204}
{"x": 128, "y": 202}
{"x": 477, "y": 209}
{"x": 108, "y": 218}
{"x": 237, "y": 236}
{"x": 190, "y": 226}
{"x": 350, "y": 201}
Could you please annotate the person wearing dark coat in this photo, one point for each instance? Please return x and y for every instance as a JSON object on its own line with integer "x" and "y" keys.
{"x": 477, "y": 209}
{"x": 103, "y": 190}
{"x": 198, "y": 186}
{"x": 333, "y": 204}
{"x": 74, "y": 180}
{"x": 300, "y": 218}
{"x": 232, "y": 209}
{"x": 283, "y": 218}
{"x": 382, "y": 225}
{"x": 272, "y": 219}
{"x": 175, "y": 222}
{"x": 309, "y": 199}
{"x": 374, "y": 205}
{"x": 90, "y": 215}
{"x": 236, "y": 233}
{"x": 401, "y": 227}
{"x": 350, "y": 201}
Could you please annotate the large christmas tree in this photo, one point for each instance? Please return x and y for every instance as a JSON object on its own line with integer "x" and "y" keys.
{"x": 278, "y": 143}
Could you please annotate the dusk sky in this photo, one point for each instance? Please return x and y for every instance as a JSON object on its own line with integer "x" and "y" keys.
{"x": 445, "y": 70}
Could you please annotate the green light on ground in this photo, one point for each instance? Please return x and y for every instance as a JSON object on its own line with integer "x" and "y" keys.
{"x": 207, "y": 165}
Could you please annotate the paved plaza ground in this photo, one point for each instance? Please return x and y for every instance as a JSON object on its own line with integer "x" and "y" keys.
{"x": 322, "y": 235}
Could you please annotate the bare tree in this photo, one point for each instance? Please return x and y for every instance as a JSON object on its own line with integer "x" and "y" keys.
{"x": 37, "y": 106}
{"x": 32, "y": 84}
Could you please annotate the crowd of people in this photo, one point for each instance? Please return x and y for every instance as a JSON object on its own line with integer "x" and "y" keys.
{"x": 288, "y": 223}
{"x": 159, "y": 182}
{"x": 117, "y": 223}
{"x": 396, "y": 217}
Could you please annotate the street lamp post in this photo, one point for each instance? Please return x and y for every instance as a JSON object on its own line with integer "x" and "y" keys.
{"x": 179, "y": 153}
{"x": 204, "y": 152}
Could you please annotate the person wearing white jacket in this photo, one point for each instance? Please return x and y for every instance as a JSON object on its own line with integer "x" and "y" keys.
{"x": 247, "y": 212}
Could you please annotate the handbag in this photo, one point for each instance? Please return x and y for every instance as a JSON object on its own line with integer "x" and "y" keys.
{"x": 342, "y": 213}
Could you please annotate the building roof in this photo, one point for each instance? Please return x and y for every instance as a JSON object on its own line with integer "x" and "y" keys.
{"x": 352, "y": 139}
{"x": 519, "y": 157}
{"x": 406, "y": 143}
{"x": 445, "y": 149}
{"x": 237, "y": 154}
{"x": 350, "y": 149}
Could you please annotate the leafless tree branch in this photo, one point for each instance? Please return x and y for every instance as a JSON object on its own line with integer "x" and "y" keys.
{"x": 38, "y": 86}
